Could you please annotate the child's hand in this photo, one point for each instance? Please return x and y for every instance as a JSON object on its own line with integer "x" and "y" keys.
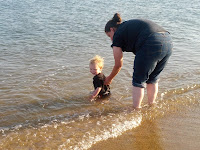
{"x": 95, "y": 93}
{"x": 91, "y": 99}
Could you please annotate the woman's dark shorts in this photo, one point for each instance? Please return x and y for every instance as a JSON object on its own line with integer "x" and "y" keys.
{"x": 151, "y": 59}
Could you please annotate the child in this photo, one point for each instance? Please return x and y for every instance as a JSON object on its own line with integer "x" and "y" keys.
{"x": 100, "y": 90}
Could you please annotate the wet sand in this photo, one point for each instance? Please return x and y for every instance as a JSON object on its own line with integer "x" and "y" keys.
{"x": 179, "y": 130}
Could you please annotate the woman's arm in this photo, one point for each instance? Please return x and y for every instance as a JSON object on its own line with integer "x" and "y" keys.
{"x": 118, "y": 56}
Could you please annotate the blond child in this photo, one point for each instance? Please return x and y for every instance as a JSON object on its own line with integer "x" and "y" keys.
{"x": 100, "y": 90}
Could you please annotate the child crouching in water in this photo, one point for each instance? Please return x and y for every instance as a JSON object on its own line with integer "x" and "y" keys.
{"x": 100, "y": 90}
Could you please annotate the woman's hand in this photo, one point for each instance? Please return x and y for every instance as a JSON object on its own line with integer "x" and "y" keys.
{"x": 107, "y": 81}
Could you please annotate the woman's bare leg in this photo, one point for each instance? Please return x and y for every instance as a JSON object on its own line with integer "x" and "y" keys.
{"x": 152, "y": 91}
{"x": 138, "y": 94}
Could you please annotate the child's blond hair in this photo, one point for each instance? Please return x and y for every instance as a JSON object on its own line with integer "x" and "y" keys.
{"x": 97, "y": 60}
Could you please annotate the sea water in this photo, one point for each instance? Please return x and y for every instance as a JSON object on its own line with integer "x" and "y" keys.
{"x": 45, "y": 80}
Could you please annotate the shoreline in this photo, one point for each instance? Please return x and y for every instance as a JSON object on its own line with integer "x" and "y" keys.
{"x": 175, "y": 131}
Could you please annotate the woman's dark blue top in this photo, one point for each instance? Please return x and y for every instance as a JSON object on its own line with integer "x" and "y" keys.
{"x": 131, "y": 34}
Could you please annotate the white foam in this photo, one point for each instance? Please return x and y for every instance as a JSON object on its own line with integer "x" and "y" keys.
{"x": 118, "y": 126}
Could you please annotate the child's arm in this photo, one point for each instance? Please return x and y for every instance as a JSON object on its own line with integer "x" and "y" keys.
{"x": 95, "y": 93}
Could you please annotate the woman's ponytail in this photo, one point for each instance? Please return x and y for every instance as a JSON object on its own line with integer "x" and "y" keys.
{"x": 114, "y": 22}
{"x": 117, "y": 18}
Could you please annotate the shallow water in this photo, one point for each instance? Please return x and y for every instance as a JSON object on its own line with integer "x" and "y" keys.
{"x": 45, "y": 80}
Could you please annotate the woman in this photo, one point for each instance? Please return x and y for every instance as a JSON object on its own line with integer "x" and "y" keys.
{"x": 152, "y": 47}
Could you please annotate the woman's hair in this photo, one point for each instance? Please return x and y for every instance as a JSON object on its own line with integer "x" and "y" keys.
{"x": 114, "y": 22}
{"x": 97, "y": 60}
